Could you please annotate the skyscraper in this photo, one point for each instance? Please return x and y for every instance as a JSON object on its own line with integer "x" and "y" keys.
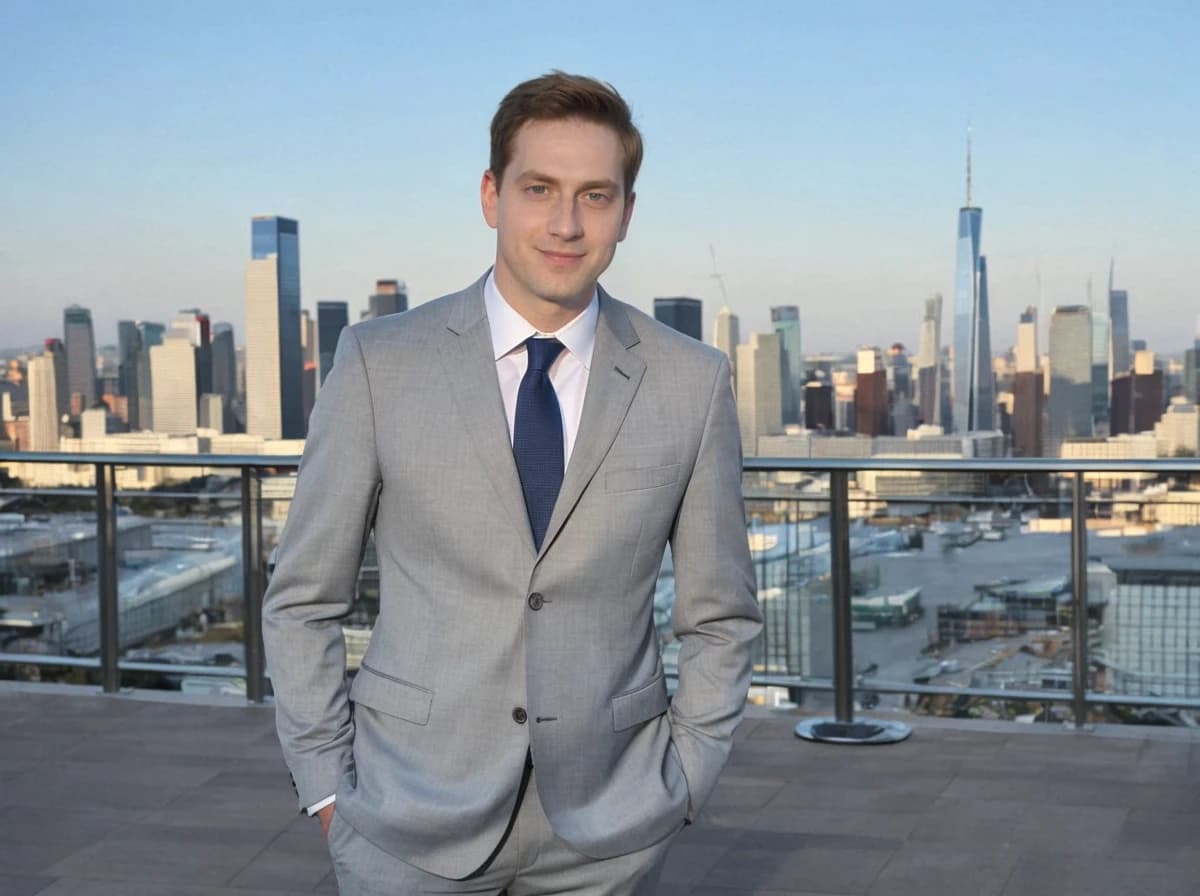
{"x": 786, "y": 320}
{"x": 680, "y": 313}
{"x": 973, "y": 396}
{"x": 81, "y": 357}
{"x": 759, "y": 393}
{"x": 929, "y": 363}
{"x": 173, "y": 374}
{"x": 1118, "y": 313}
{"x": 273, "y": 369}
{"x": 1028, "y": 390}
{"x": 129, "y": 346}
{"x": 198, "y": 327}
{"x": 390, "y": 297}
{"x": 1149, "y": 394}
{"x": 43, "y": 404}
{"x": 1070, "y": 405}
{"x": 726, "y": 336}
{"x": 56, "y": 349}
{"x": 1100, "y": 367}
{"x": 151, "y": 334}
{"x": 332, "y": 318}
{"x": 1191, "y": 369}
{"x": 224, "y": 372}
{"x": 871, "y": 394}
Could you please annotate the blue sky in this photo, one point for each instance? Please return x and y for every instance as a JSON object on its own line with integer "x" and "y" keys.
{"x": 819, "y": 150}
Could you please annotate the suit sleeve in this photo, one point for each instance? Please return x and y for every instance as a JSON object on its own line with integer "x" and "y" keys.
{"x": 316, "y": 570}
{"x": 716, "y": 616}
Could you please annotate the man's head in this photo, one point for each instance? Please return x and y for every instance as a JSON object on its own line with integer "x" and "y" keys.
{"x": 557, "y": 96}
{"x": 558, "y": 193}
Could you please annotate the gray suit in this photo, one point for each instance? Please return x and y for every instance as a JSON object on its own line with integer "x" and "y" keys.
{"x": 484, "y": 648}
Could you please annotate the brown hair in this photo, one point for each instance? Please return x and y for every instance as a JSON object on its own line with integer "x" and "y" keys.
{"x": 556, "y": 96}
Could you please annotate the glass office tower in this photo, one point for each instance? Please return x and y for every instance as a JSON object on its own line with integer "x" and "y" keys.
{"x": 680, "y": 313}
{"x": 81, "y": 358}
{"x": 273, "y": 372}
{"x": 973, "y": 395}
{"x": 332, "y": 318}
{"x": 786, "y": 320}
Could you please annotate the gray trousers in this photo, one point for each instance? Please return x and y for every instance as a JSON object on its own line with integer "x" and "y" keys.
{"x": 531, "y": 861}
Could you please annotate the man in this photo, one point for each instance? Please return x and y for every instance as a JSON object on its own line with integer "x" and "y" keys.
{"x": 524, "y": 450}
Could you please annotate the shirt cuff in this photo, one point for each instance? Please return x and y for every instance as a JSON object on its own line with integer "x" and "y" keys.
{"x": 317, "y": 807}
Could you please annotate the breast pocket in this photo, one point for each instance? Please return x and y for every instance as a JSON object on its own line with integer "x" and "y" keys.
{"x": 641, "y": 478}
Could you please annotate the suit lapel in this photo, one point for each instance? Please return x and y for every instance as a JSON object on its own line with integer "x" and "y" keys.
{"x": 470, "y": 368}
{"x": 613, "y": 380}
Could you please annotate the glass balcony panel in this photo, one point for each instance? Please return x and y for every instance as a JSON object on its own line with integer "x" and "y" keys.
{"x": 960, "y": 581}
{"x": 180, "y": 580}
{"x": 48, "y": 571}
{"x": 1144, "y": 575}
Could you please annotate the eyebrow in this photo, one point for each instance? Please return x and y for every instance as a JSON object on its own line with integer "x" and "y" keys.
{"x": 603, "y": 183}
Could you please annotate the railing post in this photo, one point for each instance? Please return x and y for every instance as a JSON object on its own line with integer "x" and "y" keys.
{"x": 843, "y": 729}
{"x": 839, "y": 571}
{"x": 1079, "y": 600}
{"x": 106, "y": 567}
{"x": 253, "y": 584}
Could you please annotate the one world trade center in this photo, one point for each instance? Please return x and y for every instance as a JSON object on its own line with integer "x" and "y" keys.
{"x": 972, "y": 389}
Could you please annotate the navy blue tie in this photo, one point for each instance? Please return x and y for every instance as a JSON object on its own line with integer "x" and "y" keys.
{"x": 538, "y": 436}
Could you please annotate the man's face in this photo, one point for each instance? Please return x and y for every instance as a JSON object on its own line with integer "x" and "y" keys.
{"x": 559, "y": 212}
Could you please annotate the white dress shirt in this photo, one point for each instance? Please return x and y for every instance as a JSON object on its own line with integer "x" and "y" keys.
{"x": 568, "y": 373}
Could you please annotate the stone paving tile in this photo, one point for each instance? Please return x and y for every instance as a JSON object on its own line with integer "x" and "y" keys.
{"x": 93, "y": 887}
{"x": 1055, "y": 875}
{"x": 817, "y": 820}
{"x": 269, "y": 808}
{"x": 920, "y": 869}
{"x": 84, "y": 784}
{"x": 295, "y": 861}
{"x": 23, "y": 884}
{"x": 668, "y": 890}
{"x": 195, "y": 855}
{"x": 688, "y": 864}
{"x": 956, "y": 820}
{"x": 816, "y": 868}
{"x": 38, "y": 824}
{"x": 1070, "y": 830}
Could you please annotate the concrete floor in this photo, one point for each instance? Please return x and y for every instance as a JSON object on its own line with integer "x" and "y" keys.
{"x": 125, "y": 796}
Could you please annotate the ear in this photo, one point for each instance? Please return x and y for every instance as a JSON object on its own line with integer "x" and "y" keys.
{"x": 626, "y": 215}
{"x": 489, "y": 198}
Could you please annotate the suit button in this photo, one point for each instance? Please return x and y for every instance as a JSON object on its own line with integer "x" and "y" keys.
{"x": 536, "y": 601}
{"x": 520, "y": 716}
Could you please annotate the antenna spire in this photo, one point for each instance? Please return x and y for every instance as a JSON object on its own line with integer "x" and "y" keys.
{"x": 968, "y": 164}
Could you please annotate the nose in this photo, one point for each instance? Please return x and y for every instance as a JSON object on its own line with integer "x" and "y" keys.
{"x": 565, "y": 222}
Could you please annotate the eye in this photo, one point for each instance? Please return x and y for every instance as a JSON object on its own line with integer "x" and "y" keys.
{"x": 595, "y": 196}
{"x": 537, "y": 189}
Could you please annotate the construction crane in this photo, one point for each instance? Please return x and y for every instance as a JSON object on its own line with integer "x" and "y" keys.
{"x": 716, "y": 275}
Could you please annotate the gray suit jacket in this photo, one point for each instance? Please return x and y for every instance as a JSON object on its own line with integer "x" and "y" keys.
{"x": 467, "y": 670}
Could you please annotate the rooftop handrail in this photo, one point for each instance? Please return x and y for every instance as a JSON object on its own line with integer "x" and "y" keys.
{"x": 250, "y": 468}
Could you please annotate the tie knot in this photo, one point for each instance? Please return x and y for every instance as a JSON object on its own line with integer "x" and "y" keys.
{"x": 542, "y": 352}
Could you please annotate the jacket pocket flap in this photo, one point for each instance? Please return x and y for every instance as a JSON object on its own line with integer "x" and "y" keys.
{"x": 640, "y": 478}
{"x": 391, "y": 695}
{"x": 638, "y": 705}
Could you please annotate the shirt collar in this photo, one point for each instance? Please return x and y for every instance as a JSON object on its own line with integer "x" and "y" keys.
{"x": 510, "y": 330}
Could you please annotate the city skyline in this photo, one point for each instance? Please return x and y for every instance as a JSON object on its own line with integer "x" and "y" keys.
{"x": 788, "y": 139}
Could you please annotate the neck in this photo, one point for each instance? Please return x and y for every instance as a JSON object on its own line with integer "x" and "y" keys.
{"x": 544, "y": 315}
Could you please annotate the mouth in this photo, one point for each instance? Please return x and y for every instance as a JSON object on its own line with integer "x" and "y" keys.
{"x": 561, "y": 259}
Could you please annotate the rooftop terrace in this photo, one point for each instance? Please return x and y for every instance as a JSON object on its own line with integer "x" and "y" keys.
{"x": 138, "y": 794}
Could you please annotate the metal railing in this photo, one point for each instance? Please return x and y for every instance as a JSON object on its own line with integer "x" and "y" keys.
{"x": 844, "y": 682}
